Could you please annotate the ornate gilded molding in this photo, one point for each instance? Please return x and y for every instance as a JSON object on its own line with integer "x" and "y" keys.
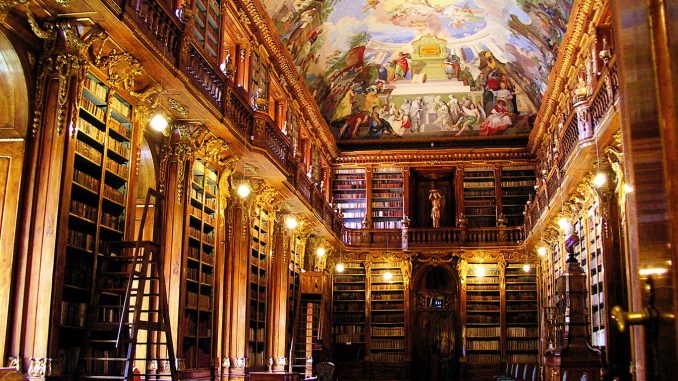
{"x": 148, "y": 102}
{"x": 177, "y": 106}
{"x": 121, "y": 68}
{"x": 7, "y": 5}
{"x": 65, "y": 52}
{"x": 442, "y": 158}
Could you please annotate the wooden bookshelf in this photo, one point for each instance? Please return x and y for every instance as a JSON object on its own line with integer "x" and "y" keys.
{"x": 387, "y": 198}
{"x": 349, "y": 189}
{"x": 522, "y": 315}
{"x": 349, "y": 311}
{"x": 198, "y": 317}
{"x": 258, "y": 287}
{"x": 96, "y": 200}
{"x": 206, "y": 26}
{"x": 259, "y": 81}
{"x": 480, "y": 204}
{"x": 483, "y": 315}
{"x": 295, "y": 266}
{"x": 387, "y": 313}
{"x": 517, "y": 183}
{"x": 594, "y": 270}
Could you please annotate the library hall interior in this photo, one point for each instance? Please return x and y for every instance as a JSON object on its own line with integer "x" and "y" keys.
{"x": 338, "y": 190}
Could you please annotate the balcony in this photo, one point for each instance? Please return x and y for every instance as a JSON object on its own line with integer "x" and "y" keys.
{"x": 166, "y": 33}
{"x": 582, "y": 131}
{"x": 416, "y": 238}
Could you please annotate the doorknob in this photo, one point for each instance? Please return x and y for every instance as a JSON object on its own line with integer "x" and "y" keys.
{"x": 648, "y": 316}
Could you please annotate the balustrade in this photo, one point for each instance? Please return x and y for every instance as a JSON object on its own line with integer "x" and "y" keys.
{"x": 209, "y": 80}
{"x": 160, "y": 25}
{"x": 431, "y": 237}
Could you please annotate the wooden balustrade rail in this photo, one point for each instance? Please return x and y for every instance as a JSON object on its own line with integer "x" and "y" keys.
{"x": 433, "y": 237}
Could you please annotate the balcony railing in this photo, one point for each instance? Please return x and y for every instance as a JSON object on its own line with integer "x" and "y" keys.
{"x": 165, "y": 31}
{"x": 433, "y": 237}
{"x": 583, "y": 124}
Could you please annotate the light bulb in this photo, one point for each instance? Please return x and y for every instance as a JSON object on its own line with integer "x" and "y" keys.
{"x": 291, "y": 222}
{"x": 159, "y": 122}
{"x": 388, "y": 275}
{"x": 243, "y": 190}
{"x": 541, "y": 251}
{"x": 600, "y": 179}
{"x": 526, "y": 267}
{"x": 480, "y": 271}
{"x": 628, "y": 188}
{"x": 320, "y": 252}
{"x": 563, "y": 223}
{"x": 340, "y": 267}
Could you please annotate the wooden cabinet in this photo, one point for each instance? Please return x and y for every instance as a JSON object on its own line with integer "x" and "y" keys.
{"x": 94, "y": 210}
{"x": 197, "y": 318}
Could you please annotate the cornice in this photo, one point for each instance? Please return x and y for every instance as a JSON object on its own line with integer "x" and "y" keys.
{"x": 434, "y": 158}
{"x": 263, "y": 27}
{"x": 580, "y": 19}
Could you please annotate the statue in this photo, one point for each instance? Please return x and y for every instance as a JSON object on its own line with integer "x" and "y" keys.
{"x": 435, "y": 198}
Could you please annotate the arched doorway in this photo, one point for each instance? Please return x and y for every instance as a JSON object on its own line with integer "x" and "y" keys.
{"x": 435, "y": 327}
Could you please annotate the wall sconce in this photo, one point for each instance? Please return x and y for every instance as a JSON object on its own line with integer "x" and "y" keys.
{"x": 243, "y": 190}
{"x": 526, "y": 267}
{"x": 340, "y": 267}
{"x": 159, "y": 122}
{"x": 600, "y": 179}
{"x": 480, "y": 271}
{"x": 320, "y": 252}
{"x": 291, "y": 222}
{"x": 388, "y": 276}
{"x": 541, "y": 251}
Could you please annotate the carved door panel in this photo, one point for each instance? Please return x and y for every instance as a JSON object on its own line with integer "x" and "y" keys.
{"x": 434, "y": 339}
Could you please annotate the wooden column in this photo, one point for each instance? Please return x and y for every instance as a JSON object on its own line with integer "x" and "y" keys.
{"x": 238, "y": 266}
{"x": 61, "y": 70}
{"x": 649, "y": 86}
{"x": 278, "y": 295}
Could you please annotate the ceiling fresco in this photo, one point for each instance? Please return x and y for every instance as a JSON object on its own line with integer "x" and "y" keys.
{"x": 414, "y": 69}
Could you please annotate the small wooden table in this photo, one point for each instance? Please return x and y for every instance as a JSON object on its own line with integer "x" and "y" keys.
{"x": 273, "y": 376}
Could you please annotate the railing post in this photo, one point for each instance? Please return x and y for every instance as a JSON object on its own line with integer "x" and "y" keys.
{"x": 584, "y": 125}
{"x": 404, "y": 233}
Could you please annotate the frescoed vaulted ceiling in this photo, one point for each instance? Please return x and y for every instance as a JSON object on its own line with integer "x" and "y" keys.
{"x": 413, "y": 69}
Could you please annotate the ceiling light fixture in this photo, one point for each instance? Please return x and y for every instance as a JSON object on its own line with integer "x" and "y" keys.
{"x": 159, "y": 122}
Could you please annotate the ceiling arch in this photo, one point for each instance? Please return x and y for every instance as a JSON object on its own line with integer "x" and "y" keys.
{"x": 413, "y": 69}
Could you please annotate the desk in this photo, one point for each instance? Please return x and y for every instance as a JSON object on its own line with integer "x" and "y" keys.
{"x": 269, "y": 376}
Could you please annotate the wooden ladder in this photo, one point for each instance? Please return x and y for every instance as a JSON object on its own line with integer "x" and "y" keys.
{"x": 128, "y": 320}
{"x": 306, "y": 331}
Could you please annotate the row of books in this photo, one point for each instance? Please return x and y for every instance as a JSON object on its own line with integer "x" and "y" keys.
{"x": 96, "y": 111}
{"x": 387, "y": 194}
{"x": 354, "y": 215}
{"x": 349, "y": 307}
{"x": 349, "y": 196}
{"x": 522, "y": 345}
{"x": 341, "y": 278}
{"x": 387, "y": 344}
{"x": 88, "y": 129}
{"x": 521, "y": 358}
{"x": 521, "y": 306}
{"x": 353, "y": 225}
{"x": 347, "y": 185}
{"x": 355, "y": 330}
{"x": 387, "y": 204}
{"x": 83, "y": 210}
{"x": 483, "y": 345}
{"x": 193, "y": 300}
{"x": 513, "y": 192}
{"x": 478, "y": 193}
{"x": 521, "y": 317}
{"x": 114, "y": 194}
{"x": 517, "y": 183}
{"x": 387, "y": 185}
{"x": 348, "y": 318}
{"x": 73, "y": 314}
{"x": 481, "y": 287}
{"x": 211, "y": 203}
{"x": 396, "y": 318}
{"x": 120, "y": 129}
{"x": 121, "y": 107}
{"x": 121, "y": 148}
{"x": 80, "y": 240}
{"x": 352, "y": 205}
{"x": 387, "y": 295}
{"x": 388, "y": 307}
{"x": 210, "y": 190}
{"x": 482, "y": 307}
{"x": 79, "y": 273}
{"x": 388, "y": 331}
{"x": 96, "y": 88}
{"x": 480, "y": 202}
{"x": 108, "y": 315}
{"x": 387, "y": 287}
{"x": 480, "y": 211}
{"x": 387, "y": 224}
{"x": 117, "y": 168}
{"x": 387, "y": 213}
{"x": 522, "y": 331}
{"x": 483, "y": 332}
{"x": 473, "y": 297}
{"x": 113, "y": 221}
{"x": 113, "y": 367}
{"x": 349, "y": 295}
{"x": 88, "y": 151}
{"x": 476, "y": 318}
{"x": 85, "y": 180}
{"x": 350, "y": 287}
{"x": 478, "y": 184}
